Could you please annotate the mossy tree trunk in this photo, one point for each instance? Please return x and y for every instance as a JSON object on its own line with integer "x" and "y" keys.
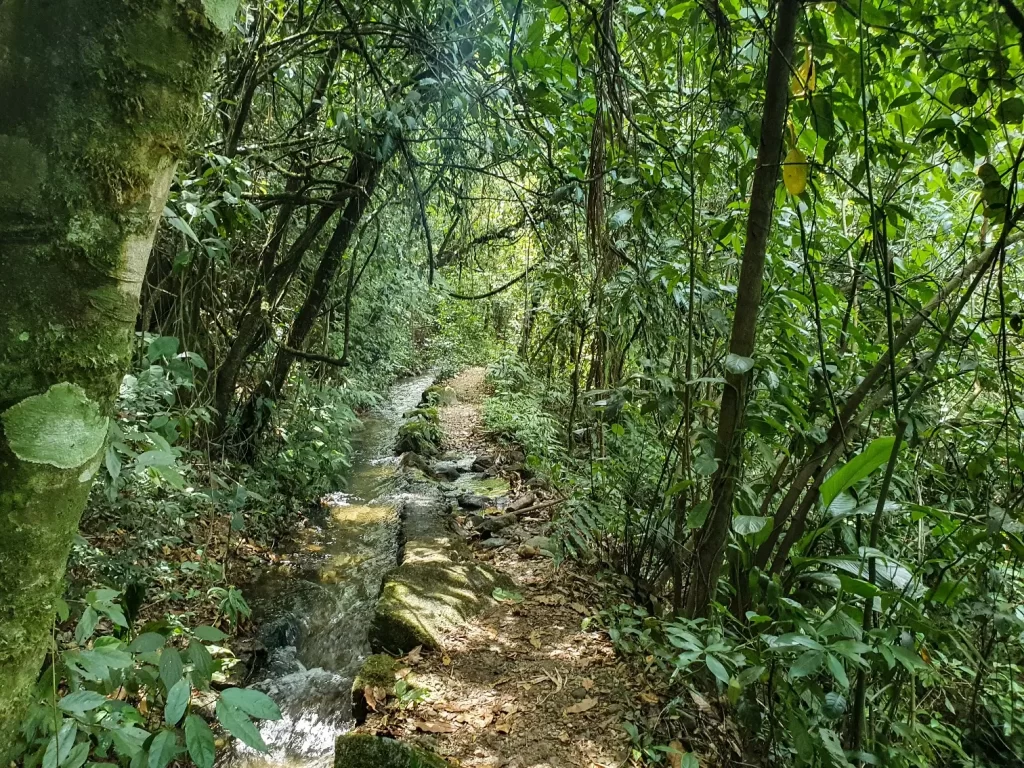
{"x": 96, "y": 96}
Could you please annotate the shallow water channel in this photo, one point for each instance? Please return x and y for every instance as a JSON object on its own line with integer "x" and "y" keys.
{"x": 316, "y": 610}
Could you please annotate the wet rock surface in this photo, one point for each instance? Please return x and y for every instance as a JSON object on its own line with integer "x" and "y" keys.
{"x": 438, "y": 586}
{"x": 366, "y": 751}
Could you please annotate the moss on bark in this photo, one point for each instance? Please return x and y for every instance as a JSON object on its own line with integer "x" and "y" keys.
{"x": 96, "y": 98}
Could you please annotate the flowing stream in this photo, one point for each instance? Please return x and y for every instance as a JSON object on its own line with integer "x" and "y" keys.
{"x": 316, "y": 610}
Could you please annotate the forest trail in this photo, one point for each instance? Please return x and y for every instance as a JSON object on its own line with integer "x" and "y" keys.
{"x": 523, "y": 686}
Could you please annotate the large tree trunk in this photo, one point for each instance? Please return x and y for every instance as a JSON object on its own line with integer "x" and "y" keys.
{"x": 95, "y": 95}
{"x": 710, "y": 546}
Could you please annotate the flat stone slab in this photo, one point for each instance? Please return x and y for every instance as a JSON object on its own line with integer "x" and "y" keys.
{"x": 438, "y": 586}
{"x": 361, "y": 750}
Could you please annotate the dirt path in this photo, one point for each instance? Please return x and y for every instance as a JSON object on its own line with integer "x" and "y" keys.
{"x": 524, "y": 686}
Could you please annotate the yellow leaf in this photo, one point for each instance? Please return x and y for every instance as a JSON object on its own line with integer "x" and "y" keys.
{"x": 794, "y": 172}
{"x": 806, "y": 76}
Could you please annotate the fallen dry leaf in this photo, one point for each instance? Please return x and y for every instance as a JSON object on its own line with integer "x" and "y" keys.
{"x": 505, "y": 725}
{"x": 535, "y": 639}
{"x": 550, "y": 599}
{"x": 583, "y": 706}
{"x": 371, "y": 699}
{"x": 675, "y": 756}
{"x": 580, "y": 608}
{"x": 434, "y": 727}
{"x": 700, "y": 701}
{"x": 402, "y": 673}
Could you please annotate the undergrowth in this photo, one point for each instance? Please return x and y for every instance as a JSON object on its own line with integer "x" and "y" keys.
{"x": 770, "y": 676}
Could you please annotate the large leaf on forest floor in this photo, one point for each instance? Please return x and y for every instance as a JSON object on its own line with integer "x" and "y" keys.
{"x": 855, "y": 470}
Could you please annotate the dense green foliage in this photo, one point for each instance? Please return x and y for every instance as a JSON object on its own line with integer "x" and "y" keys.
{"x": 564, "y": 190}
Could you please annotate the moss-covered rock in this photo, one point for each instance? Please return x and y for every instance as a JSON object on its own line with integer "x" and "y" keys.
{"x": 439, "y": 394}
{"x": 360, "y": 750}
{"x": 490, "y": 487}
{"x": 437, "y": 587}
{"x": 420, "y": 433}
{"x": 377, "y": 672}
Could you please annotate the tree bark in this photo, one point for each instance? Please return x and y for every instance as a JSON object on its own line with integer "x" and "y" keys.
{"x": 95, "y": 96}
{"x": 710, "y": 545}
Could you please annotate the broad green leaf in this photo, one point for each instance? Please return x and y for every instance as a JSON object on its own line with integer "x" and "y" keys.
{"x": 717, "y": 668}
{"x": 200, "y": 742}
{"x": 238, "y": 724}
{"x": 908, "y": 658}
{"x": 747, "y": 524}
{"x": 183, "y": 226}
{"x": 738, "y": 364}
{"x": 79, "y": 754}
{"x": 81, "y": 701}
{"x": 62, "y": 608}
{"x": 162, "y": 347}
{"x": 171, "y": 667}
{"x": 209, "y": 634}
{"x": 253, "y": 703}
{"x": 506, "y": 595}
{"x": 61, "y": 427}
{"x": 162, "y": 749}
{"x": 835, "y": 704}
{"x": 622, "y": 217}
{"x": 860, "y": 466}
{"x": 793, "y": 640}
{"x": 705, "y": 465}
{"x": 60, "y": 745}
{"x": 1010, "y": 110}
{"x": 129, "y": 739}
{"x": 202, "y": 663}
{"x": 749, "y": 675}
{"x": 698, "y": 514}
{"x": 806, "y": 664}
{"x": 147, "y": 642}
{"x": 835, "y": 666}
{"x": 177, "y": 700}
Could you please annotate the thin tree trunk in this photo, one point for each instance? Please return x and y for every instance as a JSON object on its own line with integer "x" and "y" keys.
{"x": 250, "y": 324}
{"x": 367, "y": 170}
{"x": 710, "y": 546}
{"x": 89, "y": 137}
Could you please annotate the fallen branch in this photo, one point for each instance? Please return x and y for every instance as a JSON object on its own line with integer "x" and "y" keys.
{"x": 537, "y": 507}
